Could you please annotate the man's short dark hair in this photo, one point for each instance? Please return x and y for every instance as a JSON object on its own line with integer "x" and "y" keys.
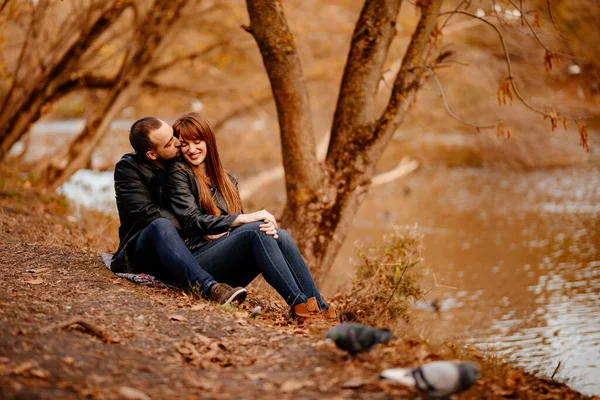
{"x": 139, "y": 135}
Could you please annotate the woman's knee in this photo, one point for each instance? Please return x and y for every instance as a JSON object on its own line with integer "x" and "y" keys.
{"x": 252, "y": 226}
{"x": 284, "y": 235}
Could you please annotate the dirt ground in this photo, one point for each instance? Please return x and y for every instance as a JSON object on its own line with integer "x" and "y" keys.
{"x": 152, "y": 342}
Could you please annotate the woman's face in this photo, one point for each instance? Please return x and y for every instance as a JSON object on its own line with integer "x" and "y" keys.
{"x": 194, "y": 151}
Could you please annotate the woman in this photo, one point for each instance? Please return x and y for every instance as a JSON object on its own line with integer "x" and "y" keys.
{"x": 233, "y": 246}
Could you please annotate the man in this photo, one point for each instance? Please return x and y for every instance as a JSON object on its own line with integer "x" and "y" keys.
{"x": 149, "y": 240}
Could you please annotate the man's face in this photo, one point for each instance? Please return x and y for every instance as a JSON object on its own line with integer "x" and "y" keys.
{"x": 166, "y": 146}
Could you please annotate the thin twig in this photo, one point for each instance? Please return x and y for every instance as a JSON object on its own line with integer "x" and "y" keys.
{"x": 555, "y": 370}
{"x": 4, "y": 4}
{"x": 396, "y": 287}
{"x": 554, "y": 22}
{"x": 83, "y": 323}
{"x": 456, "y": 117}
{"x": 508, "y": 63}
{"x": 188, "y": 57}
{"x": 535, "y": 35}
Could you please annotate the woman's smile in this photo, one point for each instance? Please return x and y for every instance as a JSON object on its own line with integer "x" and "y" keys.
{"x": 194, "y": 151}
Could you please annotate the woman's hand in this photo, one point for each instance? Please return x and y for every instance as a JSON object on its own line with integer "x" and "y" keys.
{"x": 261, "y": 215}
{"x": 269, "y": 229}
{"x": 215, "y": 237}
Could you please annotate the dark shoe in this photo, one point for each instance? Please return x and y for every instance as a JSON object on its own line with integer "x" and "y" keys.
{"x": 308, "y": 313}
{"x": 222, "y": 293}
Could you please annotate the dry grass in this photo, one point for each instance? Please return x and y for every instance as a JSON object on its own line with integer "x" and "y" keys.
{"x": 386, "y": 282}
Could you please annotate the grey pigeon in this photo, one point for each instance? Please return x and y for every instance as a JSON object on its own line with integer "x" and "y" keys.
{"x": 357, "y": 338}
{"x": 436, "y": 379}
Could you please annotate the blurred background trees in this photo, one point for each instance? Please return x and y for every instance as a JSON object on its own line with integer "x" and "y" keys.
{"x": 123, "y": 59}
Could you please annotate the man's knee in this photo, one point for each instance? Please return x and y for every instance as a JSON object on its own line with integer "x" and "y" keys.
{"x": 162, "y": 226}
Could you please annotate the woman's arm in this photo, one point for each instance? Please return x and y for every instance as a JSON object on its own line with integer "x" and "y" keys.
{"x": 187, "y": 210}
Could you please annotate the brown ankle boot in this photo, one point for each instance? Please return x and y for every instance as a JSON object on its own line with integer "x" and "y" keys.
{"x": 307, "y": 313}
{"x": 330, "y": 316}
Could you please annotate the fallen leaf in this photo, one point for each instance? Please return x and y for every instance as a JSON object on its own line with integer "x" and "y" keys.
{"x": 207, "y": 385}
{"x": 255, "y": 377}
{"x": 132, "y": 394}
{"x": 354, "y": 383}
{"x": 498, "y": 391}
{"x": 35, "y": 281}
{"x": 37, "y": 270}
{"x": 292, "y": 386}
{"x": 40, "y": 373}
{"x": 69, "y": 360}
{"x": 23, "y": 367}
{"x": 198, "y": 307}
{"x": 179, "y": 318}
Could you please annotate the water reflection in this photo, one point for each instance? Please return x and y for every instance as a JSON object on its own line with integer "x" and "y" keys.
{"x": 521, "y": 250}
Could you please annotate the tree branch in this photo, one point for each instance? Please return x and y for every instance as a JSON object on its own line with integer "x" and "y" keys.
{"x": 160, "y": 68}
{"x": 371, "y": 40}
{"x": 282, "y": 63}
{"x": 535, "y": 35}
{"x": 403, "y": 85}
{"x": 456, "y": 117}
{"x": 554, "y": 21}
{"x": 507, "y": 58}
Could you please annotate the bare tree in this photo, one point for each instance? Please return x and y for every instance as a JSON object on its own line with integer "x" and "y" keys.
{"x": 324, "y": 196}
{"x": 146, "y": 46}
{"x": 46, "y": 67}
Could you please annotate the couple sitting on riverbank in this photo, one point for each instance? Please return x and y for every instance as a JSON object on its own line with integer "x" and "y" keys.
{"x": 182, "y": 221}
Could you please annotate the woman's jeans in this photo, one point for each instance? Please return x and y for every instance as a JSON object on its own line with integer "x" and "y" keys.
{"x": 160, "y": 252}
{"x": 246, "y": 252}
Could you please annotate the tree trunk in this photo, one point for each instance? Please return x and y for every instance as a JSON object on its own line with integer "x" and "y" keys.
{"x": 19, "y": 111}
{"x": 303, "y": 174}
{"x": 146, "y": 47}
{"x": 321, "y": 224}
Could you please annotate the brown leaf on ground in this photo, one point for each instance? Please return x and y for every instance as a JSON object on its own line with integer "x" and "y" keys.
{"x": 130, "y": 393}
{"x": 499, "y": 391}
{"x": 355, "y": 382}
{"x": 293, "y": 385}
{"x": 23, "y": 367}
{"x": 37, "y": 270}
{"x": 40, "y": 373}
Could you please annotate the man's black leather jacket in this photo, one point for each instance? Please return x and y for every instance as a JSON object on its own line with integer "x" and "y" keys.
{"x": 184, "y": 198}
{"x": 139, "y": 187}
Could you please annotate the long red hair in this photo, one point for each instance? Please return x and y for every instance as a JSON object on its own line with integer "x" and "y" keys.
{"x": 194, "y": 126}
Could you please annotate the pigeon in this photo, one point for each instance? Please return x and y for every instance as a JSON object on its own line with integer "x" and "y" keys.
{"x": 357, "y": 338}
{"x": 436, "y": 379}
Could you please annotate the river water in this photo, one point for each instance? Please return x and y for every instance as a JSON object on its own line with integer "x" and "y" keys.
{"x": 517, "y": 253}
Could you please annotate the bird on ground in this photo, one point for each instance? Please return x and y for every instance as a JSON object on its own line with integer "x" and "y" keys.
{"x": 357, "y": 338}
{"x": 436, "y": 379}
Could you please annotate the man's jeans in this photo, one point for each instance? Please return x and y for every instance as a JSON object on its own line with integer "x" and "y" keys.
{"x": 246, "y": 252}
{"x": 161, "y": 252}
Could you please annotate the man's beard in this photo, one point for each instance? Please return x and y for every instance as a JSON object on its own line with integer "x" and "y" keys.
{"x": 163, "y": 159}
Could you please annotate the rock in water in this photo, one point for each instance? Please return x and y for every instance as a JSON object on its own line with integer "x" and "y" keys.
{"x": 436, "y": 379}
{"x": 357, "y": 338}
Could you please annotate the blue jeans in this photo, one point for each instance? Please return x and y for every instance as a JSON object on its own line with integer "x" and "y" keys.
{"x": 246, "y": 252}
{"x": 160, "y": 252}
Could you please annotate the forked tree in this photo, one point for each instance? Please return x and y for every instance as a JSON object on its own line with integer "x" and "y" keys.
{"x": 324, "y": 196}
{"x": 54, "y": 44}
